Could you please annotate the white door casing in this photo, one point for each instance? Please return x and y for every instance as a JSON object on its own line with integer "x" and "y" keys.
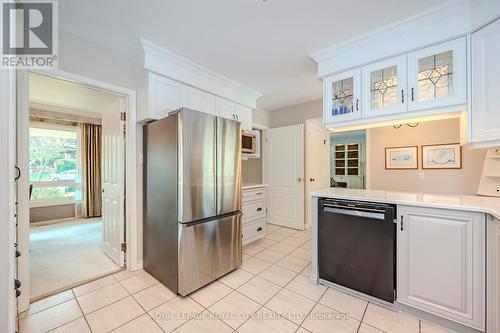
{"x": 113, "y": 186}
{"x": 285, "y": 175}
{"x": 317, "y": 161}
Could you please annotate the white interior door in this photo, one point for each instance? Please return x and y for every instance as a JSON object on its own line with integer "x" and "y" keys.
{"x": 317, "y": 161}
{"x": 285, "y": 176}
{"x": 113, "y": 185}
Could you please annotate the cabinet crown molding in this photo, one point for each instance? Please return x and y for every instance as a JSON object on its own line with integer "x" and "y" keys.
{"x": 445, "y": 22}
{"x": 165, "y": 62}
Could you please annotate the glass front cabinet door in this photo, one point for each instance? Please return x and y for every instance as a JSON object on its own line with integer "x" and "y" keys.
{"x": 342, "y": 92}
{"x": 437, "y": 76}
{"x": 384, "y": 87}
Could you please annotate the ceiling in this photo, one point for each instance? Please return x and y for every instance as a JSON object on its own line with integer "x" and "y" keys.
{"x": 51, "y": 94}
{"x": 263, "y": 45}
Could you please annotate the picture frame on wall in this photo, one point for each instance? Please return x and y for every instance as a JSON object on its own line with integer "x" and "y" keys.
{"x": 401, "y": 158}
{"x": 442, "y": 156}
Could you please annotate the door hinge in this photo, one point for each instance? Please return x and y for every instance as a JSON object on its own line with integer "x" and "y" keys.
{"x": 324, "y": 142}
{"x": 123, "y": 116}
{"x": 124, "y": 247}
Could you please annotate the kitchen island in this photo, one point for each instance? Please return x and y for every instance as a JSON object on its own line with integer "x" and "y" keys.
{"x": 446, "y": 252}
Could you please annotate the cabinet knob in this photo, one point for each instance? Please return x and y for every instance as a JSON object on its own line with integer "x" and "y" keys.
{"x": 311, "y": 179}
{"x": 299, "y": 179}
{"x": 258, "y": 193}
{"x": 259, "y": 209}
{"x": 259, "y": 229}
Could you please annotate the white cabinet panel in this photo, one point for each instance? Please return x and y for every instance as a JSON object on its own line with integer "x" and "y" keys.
{"x": 441, "y": 269}
{"x": 200, "y": 101}
{"x": 342, "y": 97}
{"x": 384, "y": 87}
{"x": 485, "y": 112}
{"x": 437, "y": 76}
{"x": 225, "y": 108}
{"x": 165, "y": 95}
{"x": 244, "y": 115}
{"x": 493, "y": 278}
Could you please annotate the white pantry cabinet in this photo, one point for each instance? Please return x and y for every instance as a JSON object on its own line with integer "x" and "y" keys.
{"x": 441, "y": 263}
{"x": 437, "y": 76}
{"x": 485, "y": 106}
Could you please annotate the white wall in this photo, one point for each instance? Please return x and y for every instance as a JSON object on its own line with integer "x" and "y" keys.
{"x": 296, "y": 114}
{"x": 455, "y": 181}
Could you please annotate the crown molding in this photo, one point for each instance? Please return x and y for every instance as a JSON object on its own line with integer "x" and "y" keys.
{"x": 171, "y": 65}
{"x": 441, "y": 23}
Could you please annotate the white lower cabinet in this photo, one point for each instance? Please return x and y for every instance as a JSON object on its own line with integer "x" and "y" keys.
{"x": 254, "y": 214}
{"x": 493, "y": 277}
{"x": 441, "y": 263}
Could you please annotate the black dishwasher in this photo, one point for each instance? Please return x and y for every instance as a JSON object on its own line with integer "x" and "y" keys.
{"x": 357, "y": 246}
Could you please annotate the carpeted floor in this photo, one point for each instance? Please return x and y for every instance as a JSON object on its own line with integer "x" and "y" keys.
{"x": 65, "y": 254}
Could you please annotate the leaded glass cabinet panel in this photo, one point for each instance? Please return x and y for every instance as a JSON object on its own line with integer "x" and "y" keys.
{"x": 437, "y": 76}
{"x": 342, "y": 96}
{"x": 384, "y": 87}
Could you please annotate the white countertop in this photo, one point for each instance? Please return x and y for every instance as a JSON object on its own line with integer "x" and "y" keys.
{"x": 474, "y": 203}
{"x": 247, "y": 186}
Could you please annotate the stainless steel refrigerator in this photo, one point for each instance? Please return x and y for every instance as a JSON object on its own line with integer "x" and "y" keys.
{"x": 192, "y": 199}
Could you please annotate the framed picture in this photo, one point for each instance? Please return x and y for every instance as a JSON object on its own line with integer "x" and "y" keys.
{"x": 442, "y": 156}
{"x": 401, "y": 157}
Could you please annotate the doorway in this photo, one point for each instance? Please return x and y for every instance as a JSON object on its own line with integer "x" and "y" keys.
{"x": 76, "y": 167}
{"x": 348, "y": 159}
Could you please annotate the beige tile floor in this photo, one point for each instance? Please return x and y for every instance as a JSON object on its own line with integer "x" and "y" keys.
{"x": 269, "y": 293}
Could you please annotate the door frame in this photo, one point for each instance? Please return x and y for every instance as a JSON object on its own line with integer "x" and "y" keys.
{"x": 132, "y": 218}
{"x": 310, "y": 123}
{"x": 7, "y": 201}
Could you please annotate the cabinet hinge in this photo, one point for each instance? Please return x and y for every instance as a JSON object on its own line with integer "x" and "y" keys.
{"x": 124, "y": 247}
{"x": 123, "y": 116}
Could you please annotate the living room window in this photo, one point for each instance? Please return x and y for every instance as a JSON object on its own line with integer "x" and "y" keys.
{"x": 53, "y": 163}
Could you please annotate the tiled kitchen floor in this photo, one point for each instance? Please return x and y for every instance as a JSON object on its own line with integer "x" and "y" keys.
{"x": 269, "y": 293}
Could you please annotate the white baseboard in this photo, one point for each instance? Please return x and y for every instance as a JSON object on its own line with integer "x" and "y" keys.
{"x": 140, "y": 264}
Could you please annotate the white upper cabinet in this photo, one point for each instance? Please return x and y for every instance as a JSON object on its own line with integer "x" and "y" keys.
{"x": 441, "y": 263}
{"x": 342, "y": 97}
{"x": 437, "y": 76}
{"x": 384, "y": 87}
{"x": 200, "y": 101}
{"x": 165, "y": 95}
{"x": 244, "y": 115}
{"x": 234, "y": 111}
{"x": 432, "y": 79}
{"x": 225, "y": 108}
{"x": 485, "y": 106}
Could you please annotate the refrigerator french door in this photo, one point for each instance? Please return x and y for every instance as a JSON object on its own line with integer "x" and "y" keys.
{"x": 192, "y": 199}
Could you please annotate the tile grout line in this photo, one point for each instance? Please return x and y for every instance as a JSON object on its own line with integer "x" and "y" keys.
{"x": 362, "y": 317}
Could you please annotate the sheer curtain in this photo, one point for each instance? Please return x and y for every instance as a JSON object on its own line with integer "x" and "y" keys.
{"x": 91, "y": 148}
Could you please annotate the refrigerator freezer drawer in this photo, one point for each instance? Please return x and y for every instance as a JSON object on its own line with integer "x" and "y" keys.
{"x": 207, "y": 251}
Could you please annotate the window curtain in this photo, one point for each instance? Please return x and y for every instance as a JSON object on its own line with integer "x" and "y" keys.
{"x": 91, "y": 149}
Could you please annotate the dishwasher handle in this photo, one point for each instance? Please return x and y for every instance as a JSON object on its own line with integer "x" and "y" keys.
{"x": 356, "y": 212}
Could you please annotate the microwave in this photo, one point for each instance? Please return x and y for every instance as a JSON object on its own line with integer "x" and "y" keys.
{"x": 249, "y": 142}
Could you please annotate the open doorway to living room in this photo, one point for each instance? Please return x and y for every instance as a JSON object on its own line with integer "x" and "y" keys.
{"x": 76, "y": 169}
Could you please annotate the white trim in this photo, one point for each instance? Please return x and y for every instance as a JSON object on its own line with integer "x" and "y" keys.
{"x": 7, "y": 200}
{"x": 368, "y": 149}
{"x": 169, "y": 64}
{"x": 133, "y": 218}
{"x": 439, "y": 24}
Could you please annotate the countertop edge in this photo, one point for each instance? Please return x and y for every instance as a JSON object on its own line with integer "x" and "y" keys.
{"x": 495, "y": 212}
{"x": 250, "y": 186}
